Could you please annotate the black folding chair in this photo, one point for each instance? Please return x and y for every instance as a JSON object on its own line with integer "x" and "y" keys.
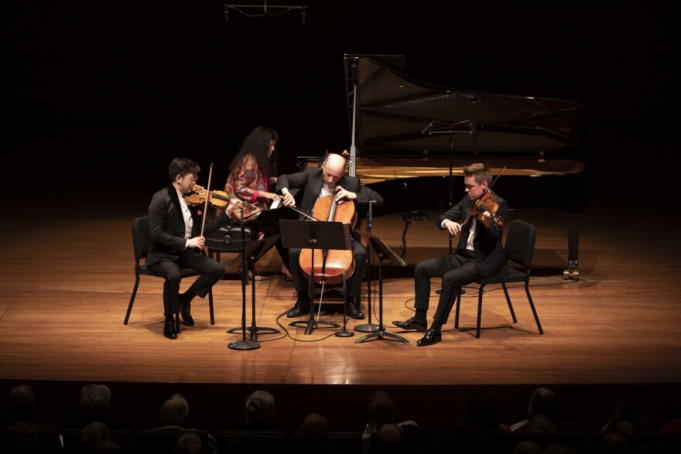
{"x": 141, "y": 239}
{"x": 519, "y": 249}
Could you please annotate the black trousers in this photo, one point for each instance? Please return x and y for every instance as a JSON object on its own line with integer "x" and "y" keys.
{"x": 456, "y": 271}
{"x": 211, "y": 271}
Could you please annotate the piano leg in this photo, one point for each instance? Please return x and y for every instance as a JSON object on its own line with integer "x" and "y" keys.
{"x": 573, "y": 225}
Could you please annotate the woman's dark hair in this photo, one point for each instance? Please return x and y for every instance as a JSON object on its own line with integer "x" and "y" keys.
{"x": 257, "y": 143}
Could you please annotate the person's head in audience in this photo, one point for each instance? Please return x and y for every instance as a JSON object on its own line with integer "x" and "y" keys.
{"x": 626, "y": 428}
{"x": 615, "y": 443}
{"x": 93, "y": 434}
{"x": 544, "y": 401}
{"x": 188, "y": 443}
{"x": 560, "y": 448}
{"x": 22, "y": 429}
{"x": 315, "y": 430}
{"x": 23, "y": 446}
{"x": 22, "y": 402}
{"x": 390, "y": 439}
{"x": 541, "y": 430}
{"x": 527, "y": 447}
{"x": 95, "y": 402}
{"x": 261, "y": 410}
{"x": 627, "y": 409}
{"x": 484, "y": 408}
{"x": 107, "y": 447}
{"x": 380, "y": 409}
{"x": 22, "y": 434}
{"x": 174, "y": 410}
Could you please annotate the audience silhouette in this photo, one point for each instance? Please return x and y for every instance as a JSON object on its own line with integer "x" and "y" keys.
{"x": 260, "y": 411}
{"x": 22, "y": 424}
{"x": 476, "y": 428}
{"x": 381, "y": 411}
{"x": 315, "y": 435}
{"x": 175, "y": 416}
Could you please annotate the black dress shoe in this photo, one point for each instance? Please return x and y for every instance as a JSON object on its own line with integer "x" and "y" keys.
{"x": 185, "y": 314}
{"x": 169, "y": 329}
{"x": 353, "y": 311}
{"x": 431, "y": 337}
{"x": 412, "y": 324}
{"x": 300, "y": 308}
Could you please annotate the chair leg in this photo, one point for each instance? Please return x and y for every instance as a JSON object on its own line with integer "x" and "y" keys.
{"x": 508, "y": 300}
{"x": 458, "y": 306}
{"x": 534, "y": 311}
{"x": 210, "y": 304}
{"x": 132, "y": 299}
{"x": 480, "y": 292}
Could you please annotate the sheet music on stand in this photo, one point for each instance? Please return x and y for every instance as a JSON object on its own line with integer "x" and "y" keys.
{"x": 383, "y": 249}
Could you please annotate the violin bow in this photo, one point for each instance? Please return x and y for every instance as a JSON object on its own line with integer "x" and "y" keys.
{"x": 205, "y": 206}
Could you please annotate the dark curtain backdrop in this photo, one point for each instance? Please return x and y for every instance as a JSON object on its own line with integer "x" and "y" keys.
{"x": 110, "y": 92}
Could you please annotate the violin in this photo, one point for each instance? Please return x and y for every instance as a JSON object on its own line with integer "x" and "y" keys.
{"x": 217, "y": 199}
{"x": 330, "y": 265}
{"x": 486, "y": 203}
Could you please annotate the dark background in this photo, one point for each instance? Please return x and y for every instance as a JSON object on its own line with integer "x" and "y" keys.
{"x": 104, "y": 94}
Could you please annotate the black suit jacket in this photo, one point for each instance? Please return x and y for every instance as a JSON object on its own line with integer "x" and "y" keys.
{"x": 167, "y": 229}
{"x": 489, "y": 251}
{"x": 310, "y": 181}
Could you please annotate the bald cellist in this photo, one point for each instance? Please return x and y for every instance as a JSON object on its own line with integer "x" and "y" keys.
{"x": 315, "y": 183}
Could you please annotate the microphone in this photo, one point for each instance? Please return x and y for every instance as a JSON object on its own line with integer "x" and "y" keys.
{"x": 427, "y": 128}
{"x": 226, "y": 11}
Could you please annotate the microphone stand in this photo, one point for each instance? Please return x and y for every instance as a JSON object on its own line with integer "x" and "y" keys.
{"x": 473, "y": 129}
{"x": 243, "y": 344}
{"x": 368, "y": 327}
{"x": 382, "y": 252}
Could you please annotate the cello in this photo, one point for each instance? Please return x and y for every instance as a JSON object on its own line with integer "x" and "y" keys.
{"x": 330, "y": 265}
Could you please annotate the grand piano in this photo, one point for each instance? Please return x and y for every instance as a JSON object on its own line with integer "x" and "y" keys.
{"x": 410, "y": 140}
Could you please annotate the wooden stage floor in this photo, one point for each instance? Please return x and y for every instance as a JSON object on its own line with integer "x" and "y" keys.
{"x": 67, "y": 275}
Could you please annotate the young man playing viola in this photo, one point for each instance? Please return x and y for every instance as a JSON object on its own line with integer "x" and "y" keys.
{"x": 478, "y": 253}
{"x": 316, "y": 182}
{"x": 177, "y": 242}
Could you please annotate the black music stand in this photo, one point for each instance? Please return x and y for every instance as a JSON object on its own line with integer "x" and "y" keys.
{"x": 297, "y": 234}
{"x": 383, "y": 252}
{"x": 244, "y": 344}
{"x": 254, "y": 252}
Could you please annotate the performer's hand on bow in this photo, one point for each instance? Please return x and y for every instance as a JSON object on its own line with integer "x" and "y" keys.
{"x": 197, "y": 242}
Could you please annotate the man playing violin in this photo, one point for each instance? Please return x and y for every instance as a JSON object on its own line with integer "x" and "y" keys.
{"x": 479, "y": 252}
{"x": 317, "y": 182}
{"x": 177, "y": 242}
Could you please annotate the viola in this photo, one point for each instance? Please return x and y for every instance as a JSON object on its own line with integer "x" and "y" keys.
{"x": 330, "y": 265}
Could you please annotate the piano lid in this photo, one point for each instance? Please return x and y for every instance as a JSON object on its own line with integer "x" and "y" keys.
{"x": 397, "y": 115}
